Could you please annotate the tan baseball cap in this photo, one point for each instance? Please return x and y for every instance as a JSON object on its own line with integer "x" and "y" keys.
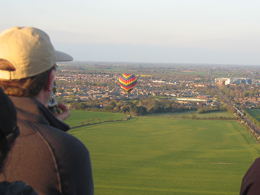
{"x": 29, "y": 50}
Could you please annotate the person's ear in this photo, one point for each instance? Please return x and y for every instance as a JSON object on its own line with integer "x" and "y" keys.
{"x": 50, "y": 81}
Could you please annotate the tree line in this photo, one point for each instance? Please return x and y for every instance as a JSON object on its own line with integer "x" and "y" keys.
{"x": 141, "y": 107}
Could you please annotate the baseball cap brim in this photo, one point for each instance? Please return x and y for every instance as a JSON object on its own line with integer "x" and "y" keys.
{"x": 62, "y": 57}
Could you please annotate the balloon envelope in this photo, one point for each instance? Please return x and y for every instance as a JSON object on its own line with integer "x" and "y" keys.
{"x": 127, "y": 82}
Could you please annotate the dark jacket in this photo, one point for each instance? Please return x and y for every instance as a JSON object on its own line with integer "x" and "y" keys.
{"x": 45, "y": 156}
{"x": 16, "y": 188}
{"x": 251, "y": 181}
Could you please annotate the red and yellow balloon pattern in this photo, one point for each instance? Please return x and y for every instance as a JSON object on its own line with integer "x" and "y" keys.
{"x": 127, "y": 82}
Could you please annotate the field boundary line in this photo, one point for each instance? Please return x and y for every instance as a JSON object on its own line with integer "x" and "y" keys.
{"x": 77, "y": 126}
{"x": 248, "y": 132}
{"x": 256, "y": 142}
{"x": 164, "y": 190}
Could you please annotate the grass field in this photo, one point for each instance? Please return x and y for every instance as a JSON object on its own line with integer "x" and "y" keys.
{"x": 190, "y": 113}
{"x": 165, "y": 156}
{"x": 254, "y": 113}
{"x": 79, "y": 116}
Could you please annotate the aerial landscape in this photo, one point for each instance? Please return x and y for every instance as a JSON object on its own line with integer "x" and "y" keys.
{"x": 183, "y": 129}
{"x": 164, "y": 95}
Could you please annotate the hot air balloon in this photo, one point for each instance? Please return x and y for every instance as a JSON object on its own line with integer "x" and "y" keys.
{"x": 127, "y": 82}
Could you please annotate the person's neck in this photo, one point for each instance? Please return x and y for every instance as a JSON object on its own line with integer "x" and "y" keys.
{"x": 43, "y": 97}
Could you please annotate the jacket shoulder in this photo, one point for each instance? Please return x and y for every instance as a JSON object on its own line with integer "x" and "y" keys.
{"x": 16, "y": 188}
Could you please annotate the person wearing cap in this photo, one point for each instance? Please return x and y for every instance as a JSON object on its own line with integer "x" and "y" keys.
{"x": 8, "y": 133}
{"x": 44, "y": 156}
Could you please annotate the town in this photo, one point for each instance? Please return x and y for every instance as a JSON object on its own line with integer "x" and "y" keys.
{"x": 192, "y": 86}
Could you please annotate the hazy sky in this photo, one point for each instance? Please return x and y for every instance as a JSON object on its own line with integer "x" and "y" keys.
{"x": 171, "y": 31}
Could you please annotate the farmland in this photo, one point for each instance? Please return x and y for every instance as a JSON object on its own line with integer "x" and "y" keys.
{"x": 79, "y": 116}
{"x": 255, "y": 113}
{"x": 191, "y": 113}
{"x": 160, "y": 155}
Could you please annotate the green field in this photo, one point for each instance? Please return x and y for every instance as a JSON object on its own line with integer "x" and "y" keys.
{"x": 79, "y": 116}
{"x": 165, "y": 156}
{"x": 254, "y": 113}
{"x": 191, "y": 113}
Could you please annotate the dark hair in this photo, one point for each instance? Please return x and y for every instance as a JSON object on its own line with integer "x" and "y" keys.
{"x": 27, "y": 87}
{"x": 8, "y": 126}
{"x": 4, "y": 149}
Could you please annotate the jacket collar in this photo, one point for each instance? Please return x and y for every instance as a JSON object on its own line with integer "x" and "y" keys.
{"x": 32, "y": 110}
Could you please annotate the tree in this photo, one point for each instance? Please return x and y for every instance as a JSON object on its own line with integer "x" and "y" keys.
{"x": 60, "y": 90}
{"x": 108, "y": 108}
{"x": 200, "y": 111}
{"x": 193, "y": 116}
{"x": 116, "y": 109}
{"x": 231, "y": 109}
{"x": 60, "y": 99}
{"x": 125, "y": 108}
{"x": 112, "y": 104}
{"x": 72, "y": 97}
